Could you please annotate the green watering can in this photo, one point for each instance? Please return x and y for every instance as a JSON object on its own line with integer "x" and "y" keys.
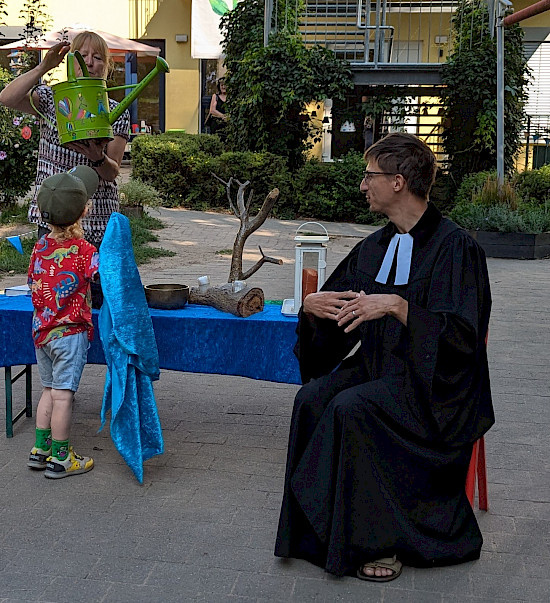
{"x": 82, "y": 104}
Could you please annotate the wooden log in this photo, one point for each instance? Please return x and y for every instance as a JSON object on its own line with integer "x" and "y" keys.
{"x": 245, "y": 302}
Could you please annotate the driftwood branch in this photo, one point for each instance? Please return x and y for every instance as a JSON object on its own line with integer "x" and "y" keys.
{"x": 246, "y": 229}
{"x": 240, "y": 200}
{"x": 249, "y": 201}
{"x": 260, "y": 263}
{"x": 228, "y": 185}
{"x": 241, "y": 209}
{"x": 246, "y": 302}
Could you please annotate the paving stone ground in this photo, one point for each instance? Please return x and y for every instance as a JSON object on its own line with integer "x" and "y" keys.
{"x": 202, "y": 526}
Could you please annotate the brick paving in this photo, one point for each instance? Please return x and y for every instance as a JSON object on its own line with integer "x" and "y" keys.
{"x": 202, "y": 526}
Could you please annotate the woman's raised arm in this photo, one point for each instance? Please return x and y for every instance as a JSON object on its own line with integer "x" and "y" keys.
{"x": 16, "y": 94}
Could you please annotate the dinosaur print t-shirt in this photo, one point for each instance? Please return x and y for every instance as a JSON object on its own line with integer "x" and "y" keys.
{"x": 59, "y": 278}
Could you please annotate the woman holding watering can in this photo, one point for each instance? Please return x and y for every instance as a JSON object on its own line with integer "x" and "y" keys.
{"x": 103, "y": 155}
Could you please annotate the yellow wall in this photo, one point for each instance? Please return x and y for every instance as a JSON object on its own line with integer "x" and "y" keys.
{"x": 183, "y": 82}
{"x": 419, "y": 26}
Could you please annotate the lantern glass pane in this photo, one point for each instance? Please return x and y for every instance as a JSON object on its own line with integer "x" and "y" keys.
{"x": 311, "y": 260}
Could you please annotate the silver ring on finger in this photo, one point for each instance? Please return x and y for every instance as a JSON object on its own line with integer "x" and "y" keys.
{"x": 353, "y": 312}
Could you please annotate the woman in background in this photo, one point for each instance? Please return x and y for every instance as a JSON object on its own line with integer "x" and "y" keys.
{"x": 218, "y": 116}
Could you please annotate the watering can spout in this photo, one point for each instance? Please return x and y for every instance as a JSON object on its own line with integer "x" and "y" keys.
{"x": 161, "y": 66}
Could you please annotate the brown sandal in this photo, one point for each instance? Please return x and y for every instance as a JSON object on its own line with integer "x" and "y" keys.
{"x": 390, "y": 563}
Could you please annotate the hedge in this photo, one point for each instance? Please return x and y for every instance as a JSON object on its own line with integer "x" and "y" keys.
{"x": 182, "y": 167}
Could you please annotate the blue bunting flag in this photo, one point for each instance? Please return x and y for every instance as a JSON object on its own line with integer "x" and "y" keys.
{"x": 16, "y": 242}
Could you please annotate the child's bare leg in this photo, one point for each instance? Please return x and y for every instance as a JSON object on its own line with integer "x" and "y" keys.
{"x": 44, "y": 409}
{"x": 62, "y": 413}
{"x": 64, "y": 461}
{"x": 43, "y": 440}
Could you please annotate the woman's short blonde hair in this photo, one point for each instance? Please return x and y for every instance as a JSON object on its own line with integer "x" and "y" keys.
{"x": 97, "y": 43}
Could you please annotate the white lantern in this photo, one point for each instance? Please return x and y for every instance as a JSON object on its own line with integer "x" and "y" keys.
{"x": 310, "y": 267}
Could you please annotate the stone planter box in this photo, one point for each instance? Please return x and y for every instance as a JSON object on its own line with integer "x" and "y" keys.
{"x": 132, "y": 211}
{"x": 516, "y": 245}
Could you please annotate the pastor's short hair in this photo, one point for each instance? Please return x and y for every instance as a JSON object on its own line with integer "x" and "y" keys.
{"x": 405, "y": 154}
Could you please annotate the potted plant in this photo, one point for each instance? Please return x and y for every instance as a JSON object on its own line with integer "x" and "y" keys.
{"x": 134, "y": 195}
{"x": 507, "y": 220}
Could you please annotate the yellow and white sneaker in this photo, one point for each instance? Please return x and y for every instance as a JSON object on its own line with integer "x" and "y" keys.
{"x": 38, "y": 458}
{"x": 72, "y": 465}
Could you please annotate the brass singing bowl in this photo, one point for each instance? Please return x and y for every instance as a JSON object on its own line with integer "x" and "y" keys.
{"x": 166, "y": 296}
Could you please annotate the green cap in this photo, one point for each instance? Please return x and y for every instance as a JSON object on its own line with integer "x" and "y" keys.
{"x": 63, "y": 197}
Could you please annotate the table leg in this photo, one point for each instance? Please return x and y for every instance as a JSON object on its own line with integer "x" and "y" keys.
{"x": 28, "y": 390}
{"x": 9, "y": 381}
{"x": 8, "y": 385}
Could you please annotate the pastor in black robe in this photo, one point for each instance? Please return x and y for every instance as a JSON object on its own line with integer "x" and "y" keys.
{"x": 381, "y": 439}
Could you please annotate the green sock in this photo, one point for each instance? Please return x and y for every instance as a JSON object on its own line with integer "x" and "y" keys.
{"x": 60, "y": 449}
{"x": 43, "y": 439}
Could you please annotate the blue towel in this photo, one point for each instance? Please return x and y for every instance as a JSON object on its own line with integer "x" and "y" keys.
{"x": 130, "y": 349}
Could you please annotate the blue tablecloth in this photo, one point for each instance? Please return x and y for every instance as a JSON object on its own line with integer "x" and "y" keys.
{"x": 195, "y": 339}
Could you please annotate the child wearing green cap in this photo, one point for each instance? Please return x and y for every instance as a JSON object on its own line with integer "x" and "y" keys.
{"x": 62, "y": 266}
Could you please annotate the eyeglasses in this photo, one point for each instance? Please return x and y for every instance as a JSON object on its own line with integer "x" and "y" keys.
{"x": 367, "y": 176}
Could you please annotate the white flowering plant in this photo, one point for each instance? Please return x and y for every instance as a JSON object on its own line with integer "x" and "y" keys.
{"x": 19, "y": 136}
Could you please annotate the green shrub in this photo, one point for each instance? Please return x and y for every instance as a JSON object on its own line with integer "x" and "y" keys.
{"x": 485, "y": 205}
{"x": 494, "y": 195}
{"x": 195, "y": 143}
{"x": 497, "y": 218}
{"x": 205, "y": 191}
{"x": 502, "y": 219}
{"x": 535, "y": 220}
{"x": 471, "y": 186}
{"x": 264, "y": 171}
{"x": 269, "y": 86}
{"x": 182, "y": 167}
{"x": 183, "y": 170}
{"x": 330, "y": 191}
{"x": 469, "y": 216}
{"x": 167, "y": 164}
{"x": 533, "y": 186}
{"x": 469, "y": 76}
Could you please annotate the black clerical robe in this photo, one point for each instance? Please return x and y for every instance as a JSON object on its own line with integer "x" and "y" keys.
{"x": 380, "y": 441}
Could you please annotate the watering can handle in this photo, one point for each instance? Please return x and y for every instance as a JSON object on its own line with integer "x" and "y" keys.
{"x": 71, "y": 77}
{"x": 52, "y": 124}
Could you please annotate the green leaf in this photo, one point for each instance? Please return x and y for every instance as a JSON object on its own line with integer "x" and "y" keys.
{"x": 219, "y": 7}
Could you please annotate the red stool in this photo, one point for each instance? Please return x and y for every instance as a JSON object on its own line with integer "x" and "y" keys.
{"x": 478, "y": 469}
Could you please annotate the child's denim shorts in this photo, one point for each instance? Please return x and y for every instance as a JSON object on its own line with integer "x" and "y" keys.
{"x": 61, "y": 361}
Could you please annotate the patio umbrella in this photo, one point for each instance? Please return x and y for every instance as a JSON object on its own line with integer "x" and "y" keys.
{"x": 116, "y": 44}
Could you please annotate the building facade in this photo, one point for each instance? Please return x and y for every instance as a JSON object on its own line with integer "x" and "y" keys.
{"x": 397, "y": 42}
